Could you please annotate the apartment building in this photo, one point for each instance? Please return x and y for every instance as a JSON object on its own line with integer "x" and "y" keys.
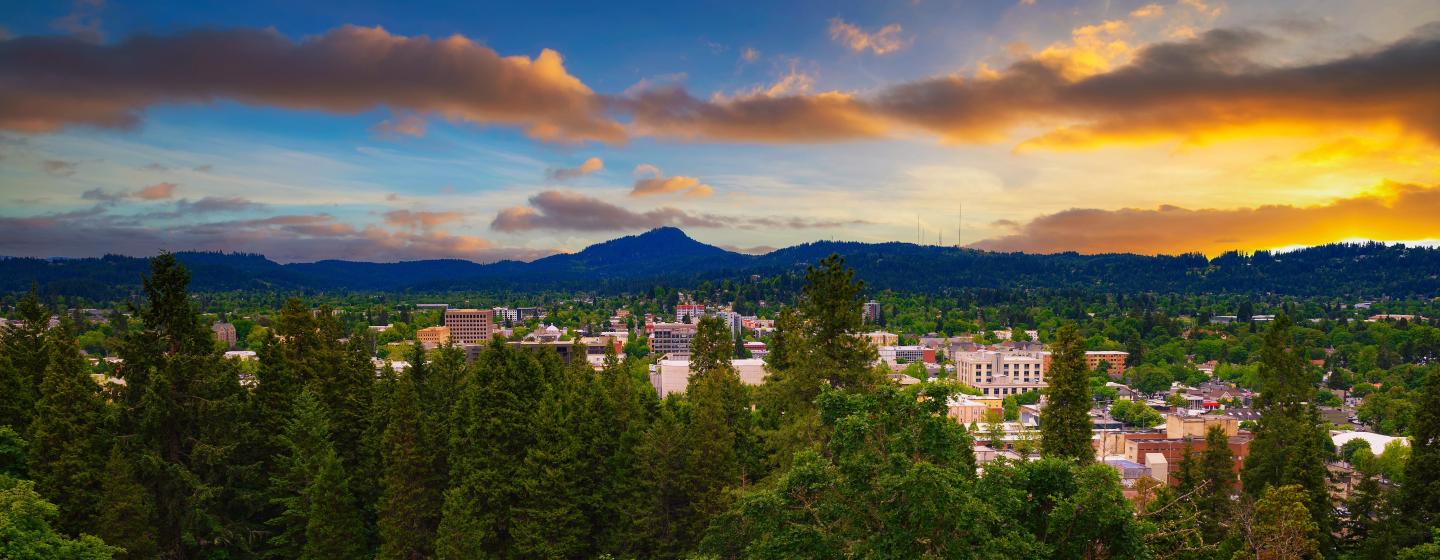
{"x": 1114, "y": 358}
{"x": 506, "y": 315}
{"x": 470, "y": 326}
{"x": 689, "y": 312}
{"x": 224, "y": 332}
{"x": 870, "y": 313}
{"x": 671, "y": 338}
{"x": 1002, "y": 373}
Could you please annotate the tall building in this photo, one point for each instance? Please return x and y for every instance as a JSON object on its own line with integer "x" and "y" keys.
{"x": 470, "y": 326}
{"x": 1002, "y": 373}
{"x": 671, "y": 338}
{"x": 871, "y": 312}
{"x": 503, "y": 314}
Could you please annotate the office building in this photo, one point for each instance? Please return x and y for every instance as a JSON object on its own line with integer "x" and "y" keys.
{"x": 433, "y": 337}
{"x": 671, "y": 338}
{"x": 1115, "y": 359}
{"x": 1002, "y": 373}
{"x": 470, "y": 326}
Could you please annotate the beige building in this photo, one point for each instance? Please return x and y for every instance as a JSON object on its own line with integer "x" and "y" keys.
{"x": 882, "y": 338}
{"x": 470, "y": 326}
{"x": 998, "y": 374}
{"x": 673, "y": 376}
{"x": 433, "y": 337}
{"x": 1178, "y": 426}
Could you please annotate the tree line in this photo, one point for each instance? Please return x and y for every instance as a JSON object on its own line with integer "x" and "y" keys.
{"x": 312, "y": 454}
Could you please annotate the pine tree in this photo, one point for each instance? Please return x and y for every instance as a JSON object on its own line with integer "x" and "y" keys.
{"x": 549, "y": 521}
{"x": 69, "y": 435}
{"x": 318, "y": 517}
{"x": 1290, "y": 440}
{"x": 179, "y": 405}
{"x": 670, "y": 520}
{"x": 23, "y": 360}
{"x": 126, "y": 516}
{"x": 1217, "y": 471}
{"x": 1065, "y": 426}
{"x": 1420, "y": 493}
{"x": 491, "y": 426}
{"x": 408, "y": 511}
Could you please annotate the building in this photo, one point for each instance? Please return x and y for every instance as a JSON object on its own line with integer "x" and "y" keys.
{"x": 870, "y": 313}
{"x": 689, "y": 313}
{"x": 1002, "y": 373}
{"x": 506, "y": 315}
{"x": 224, "y": 332}
{"x": 433, "y": 337}
{"x": 673, "y": 375}
{"x": 1140, "y": 447}
{"x": 906, "y": 354}
{"x": 595, "y": 347}
{"x": 470, "y": 326}
{"x": 756, "y": 349}
{"x": 966, "y": 410}
{"x": 1181, "y": 426}
{"x": 882, "y": 338}
{"x": 1115, "y": 359}
{"x": 440, "y": 306}
{"x": 671, "y": 338}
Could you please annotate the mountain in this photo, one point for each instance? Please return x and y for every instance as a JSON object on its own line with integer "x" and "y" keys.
{"x": 668, "y": 256}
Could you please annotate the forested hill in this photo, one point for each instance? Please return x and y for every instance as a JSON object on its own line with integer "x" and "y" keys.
{"x": 668, "y": 256}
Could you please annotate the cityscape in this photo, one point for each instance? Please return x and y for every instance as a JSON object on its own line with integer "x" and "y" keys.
{"x": 1077, "y": 279}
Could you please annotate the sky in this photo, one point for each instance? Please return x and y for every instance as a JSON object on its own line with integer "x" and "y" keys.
{"x": 388, "y": 131}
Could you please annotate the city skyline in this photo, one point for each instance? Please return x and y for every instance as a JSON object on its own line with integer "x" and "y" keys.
{"x": 435, "y": 130}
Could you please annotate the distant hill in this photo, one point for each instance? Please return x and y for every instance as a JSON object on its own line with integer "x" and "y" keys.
{"x": 667, "y": 255}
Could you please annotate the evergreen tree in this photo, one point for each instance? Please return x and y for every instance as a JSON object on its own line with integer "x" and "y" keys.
{"x": 318, "y": 517}
{"x": 408, "y": 511}
{"x": 1217, "y": 472}
{"x": 671, "y": 523}
{"x": 126, "y": 516}
{"x": 1420, "y": 492}
{"x": 550, "y": 517}
{"x": 23, "y": 360}
{"x": 178, "y": 407}
{"x": 12, "y": 453}
{"x": 1065, "y": 426}
{"x": 491, "y": 426}
{"x": 624, "y": 402}
{"x": 69, "y": 435}
{"x": 1290, "y": 439}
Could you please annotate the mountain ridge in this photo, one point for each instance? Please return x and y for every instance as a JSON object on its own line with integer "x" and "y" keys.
{"x": 669, "y": 256}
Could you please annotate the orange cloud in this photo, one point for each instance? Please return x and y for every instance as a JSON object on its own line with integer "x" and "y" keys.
{"x": 649, "y": 180}
{"x": 48, "y": 82}
{"x": 587, "y": 167}
{"x": 1394, "y": 212}
{"x": 404, "y": 125}
{"x": 1148, "y": 11}
{"x": 157, "y": 191}
{"x": 883, "y": 41}
{"x": 1093, "y": 93}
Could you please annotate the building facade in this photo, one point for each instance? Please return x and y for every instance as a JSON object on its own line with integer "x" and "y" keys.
{"x": 671, "y": 338}
{"x": 1002, "y": 373}
{"x": 433, "y": 337}
{"x": 470, "y": 326}
{"x": 1114, "y": 358}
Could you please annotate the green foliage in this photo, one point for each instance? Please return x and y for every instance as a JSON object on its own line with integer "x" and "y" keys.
{"x": 408, "y": 510}
{"x": 127, "y": 519}
{"x": 23, "y": 360}
{"x": 318, "y": 517}
{"x": 1135, "y": 414}
{"x": 69, "y": 435}
{"x": 1281, "y": 526}
{"x": 1290, "y": 445}
{"x": 12, "y": 453}
{"x": 26, "y": 533}
{"x": 1065, "y": 421}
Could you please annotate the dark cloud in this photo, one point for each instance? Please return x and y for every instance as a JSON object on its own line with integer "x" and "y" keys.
{"x": 157, "y": 191}
{"x": 285, "y": 238}
{"x": 568, "y": 211}
{"x": 49, "y": 82}
{"x": 59, "y": 168}
{"x": 1396, "y": 212}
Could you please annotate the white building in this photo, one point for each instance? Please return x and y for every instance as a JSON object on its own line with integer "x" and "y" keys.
{"x": 901, "y": 354}
{"x": 673, "y": 376}
{"x": 1001, "y": 373}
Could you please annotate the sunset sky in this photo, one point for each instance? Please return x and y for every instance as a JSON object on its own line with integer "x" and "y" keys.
{"x": 406, "y": 130}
